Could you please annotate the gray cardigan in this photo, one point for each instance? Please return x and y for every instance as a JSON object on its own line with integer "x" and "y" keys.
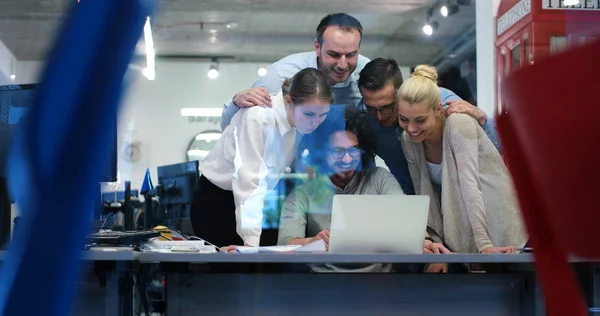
{"x": 478, "y": 203}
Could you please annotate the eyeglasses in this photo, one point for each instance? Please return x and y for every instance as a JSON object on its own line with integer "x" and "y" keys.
{"x": 383, "y": 110}
{"x": 339, "y": 153}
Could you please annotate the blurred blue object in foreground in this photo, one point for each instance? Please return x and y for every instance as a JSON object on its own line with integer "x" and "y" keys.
{"x": 147, "y": 184}
{"x": 56, "y": 159}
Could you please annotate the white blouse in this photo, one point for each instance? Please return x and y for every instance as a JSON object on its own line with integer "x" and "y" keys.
{"x": 253, "y": 151}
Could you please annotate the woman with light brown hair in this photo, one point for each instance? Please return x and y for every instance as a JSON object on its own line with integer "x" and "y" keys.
{"x": 250, "y": 157}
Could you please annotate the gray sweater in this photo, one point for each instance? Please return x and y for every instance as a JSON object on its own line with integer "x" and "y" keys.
{"x": 478, "y": 206}
{"x": 307, "y": 210}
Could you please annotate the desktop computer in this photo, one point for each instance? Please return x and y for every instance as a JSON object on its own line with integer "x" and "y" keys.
{"x": 176, "y": 184}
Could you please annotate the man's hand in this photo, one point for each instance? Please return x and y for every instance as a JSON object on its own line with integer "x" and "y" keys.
{"x": 437, "y": 268}
{"x": 252, "y": 97}
{"x": 322, "y": 235}
{"x": 434, "y": 247}
{"x": 462, "y": 106}
{"x": 510, "y": 249}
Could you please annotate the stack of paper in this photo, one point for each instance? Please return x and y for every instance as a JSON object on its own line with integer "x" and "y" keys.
{"x": 317, "y": 246}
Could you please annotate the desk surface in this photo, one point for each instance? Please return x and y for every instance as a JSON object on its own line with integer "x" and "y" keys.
{"x": 126, "y": 254}
{"x": 332, "y": 258}
{"x": 102, "y": 254}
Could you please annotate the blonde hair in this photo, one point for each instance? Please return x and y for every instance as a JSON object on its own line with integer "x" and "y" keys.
{"x": 421, "y": 87}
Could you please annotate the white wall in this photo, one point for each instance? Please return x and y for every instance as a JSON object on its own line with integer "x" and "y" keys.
{"x": 152, "y": 117}
{"x": 151, "y": 110}
{"x": 7, "y": 62}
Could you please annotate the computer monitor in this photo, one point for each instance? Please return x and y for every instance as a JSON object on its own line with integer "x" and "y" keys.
{"x": 15, "y": 103}
{"x": 177, "y": 183}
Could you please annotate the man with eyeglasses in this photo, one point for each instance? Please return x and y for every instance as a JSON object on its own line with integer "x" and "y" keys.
{"x": 378, "y": 83}
{"x": 306, "y": 213}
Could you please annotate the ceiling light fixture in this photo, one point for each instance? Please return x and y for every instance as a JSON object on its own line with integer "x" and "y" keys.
{"x": 428, "y": 29}
{"x": 13, "y": 70}
{"x": 429, "y": 25}
{"x": 262, "y": 72}
{"x": 213, "y": 71}
{"x": 449, "y": 7}
{"x": 150, "y": 70}
{"x": 444, "y": 10}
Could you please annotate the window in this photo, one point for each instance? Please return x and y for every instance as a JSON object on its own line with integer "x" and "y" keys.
{"x": 527, "y": 51}
{"x": 505, "y": 64}
{"x": 516, "y": 57}
{"x": 557, "y": 44}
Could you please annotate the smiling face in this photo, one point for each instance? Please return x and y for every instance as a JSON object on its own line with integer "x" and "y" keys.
{"x": 344, "y": 156}
{"x": 418, "y": 120}
{"x": 338, "y": 55}
{"x": 309, "y": 115}
{"x": 381, "y": 104}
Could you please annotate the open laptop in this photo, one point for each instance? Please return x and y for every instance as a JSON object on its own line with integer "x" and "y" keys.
{"x": 378, "y": 223}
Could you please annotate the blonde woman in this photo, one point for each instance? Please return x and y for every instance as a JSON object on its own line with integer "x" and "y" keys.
{"x": 473, "y": 204}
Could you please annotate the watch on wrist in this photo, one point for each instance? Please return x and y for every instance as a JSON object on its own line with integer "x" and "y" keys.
{"x": 430, "y": 239}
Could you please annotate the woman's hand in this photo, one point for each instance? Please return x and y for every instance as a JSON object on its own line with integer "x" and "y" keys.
{"x": 434, "y": 247}
{"x": 229, "y": 249}
{"x": 509, "y": 249}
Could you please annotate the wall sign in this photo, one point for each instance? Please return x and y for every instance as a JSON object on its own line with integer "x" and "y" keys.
{"x": 514, "y": 15}
{"x": 204, "y": 119}
{"x": 560, "y": 5}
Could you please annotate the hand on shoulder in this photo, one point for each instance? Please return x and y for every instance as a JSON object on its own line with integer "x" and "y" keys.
{"x": 252, "y": 97}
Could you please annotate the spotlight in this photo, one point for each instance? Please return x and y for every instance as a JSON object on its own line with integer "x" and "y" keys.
{"x": 449, "y": 8}
{"x": 429, "y": 27}
{"x": 13, "y": 77}
{"x": 262, "y": 72}
{"x": 444, "y": 10}
{"x": 213, "y": 71}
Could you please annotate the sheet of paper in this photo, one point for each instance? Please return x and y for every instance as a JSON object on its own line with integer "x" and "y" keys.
{"x": 288, "y": 248}
{"x": 315, "y": 246}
